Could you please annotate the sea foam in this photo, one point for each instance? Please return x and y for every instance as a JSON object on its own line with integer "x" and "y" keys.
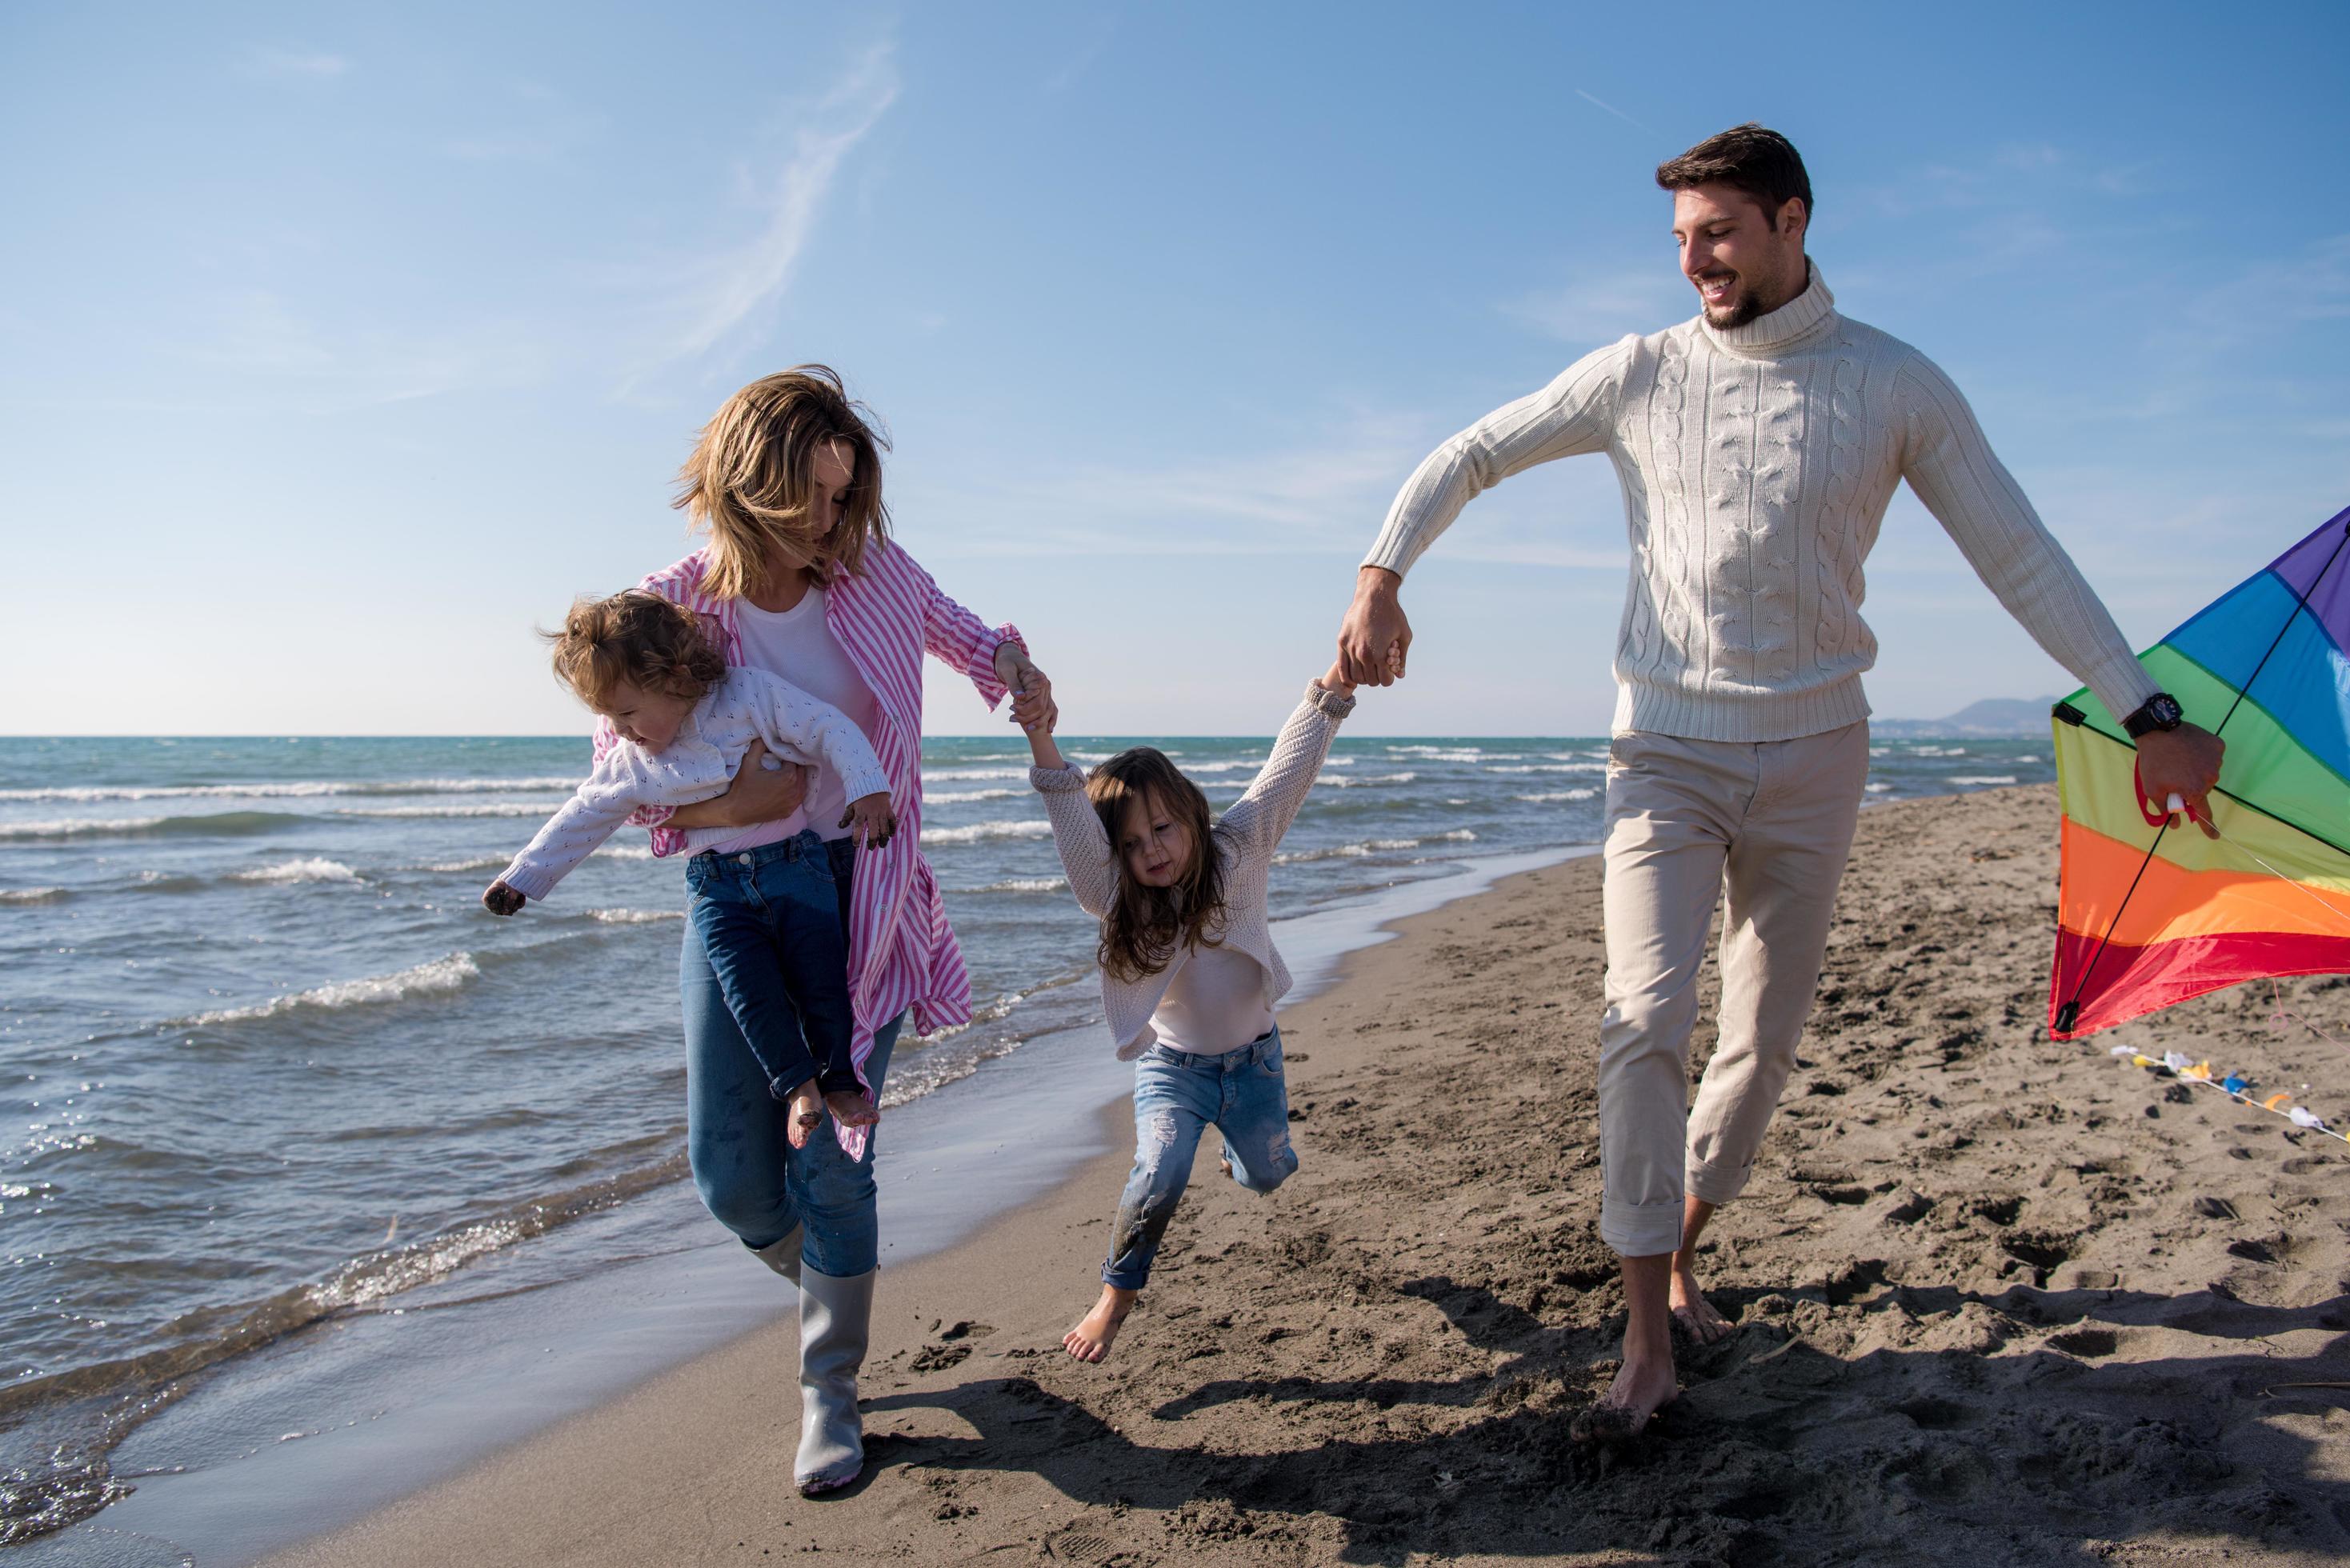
{"x": 437, "y": 977}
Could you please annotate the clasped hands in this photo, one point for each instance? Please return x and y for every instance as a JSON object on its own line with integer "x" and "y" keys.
{"x": 1032, "y": 707}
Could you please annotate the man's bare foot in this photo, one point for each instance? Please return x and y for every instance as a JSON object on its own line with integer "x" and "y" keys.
{"x": 1642, "y": 1388}
{"x": 1097, "y": 1330}
{"x": 1692, "y": 1313}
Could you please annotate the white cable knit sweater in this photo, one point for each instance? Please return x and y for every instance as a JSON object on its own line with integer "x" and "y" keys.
{"x": 1756, "y": 464}
{"x": 1246, "y": 837}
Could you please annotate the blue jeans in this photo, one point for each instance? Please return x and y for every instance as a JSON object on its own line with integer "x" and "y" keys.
{"x": 769, "y": 920}
{"x": 1177, "y": 1095}
{"x": 750, "y": 1178}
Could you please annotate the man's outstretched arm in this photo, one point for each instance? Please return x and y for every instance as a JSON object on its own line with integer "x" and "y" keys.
{"x": 1575, "y": 413}
{"x": 1971, "y": 493}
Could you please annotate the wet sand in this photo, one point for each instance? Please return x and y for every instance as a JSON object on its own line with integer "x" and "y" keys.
{"x": 1997, "y": 1299}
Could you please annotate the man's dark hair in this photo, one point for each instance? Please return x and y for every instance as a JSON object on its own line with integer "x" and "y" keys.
{"x": 1748, "y": 157}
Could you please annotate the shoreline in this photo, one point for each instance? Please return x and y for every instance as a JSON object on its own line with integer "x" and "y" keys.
{"x": 219, "y": 1472}
{"x": 1995, "y": 1299}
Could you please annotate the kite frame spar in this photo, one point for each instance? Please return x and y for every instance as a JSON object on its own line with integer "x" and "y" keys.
{"x": 2065, "y": 1016}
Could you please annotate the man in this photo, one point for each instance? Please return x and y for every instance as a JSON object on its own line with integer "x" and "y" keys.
{"x": 1757, "y": 446}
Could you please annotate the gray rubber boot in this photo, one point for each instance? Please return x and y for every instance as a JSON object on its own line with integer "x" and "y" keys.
{"x": 783, "y": 1256}
{"x": 835, "y": 1317}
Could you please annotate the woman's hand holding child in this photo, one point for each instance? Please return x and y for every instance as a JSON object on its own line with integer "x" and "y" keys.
{"x": 1032, "y": 707}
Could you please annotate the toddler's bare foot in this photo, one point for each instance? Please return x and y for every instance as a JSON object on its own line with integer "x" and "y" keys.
{"x": 850, "y": 1108}
{"x": 1692, "y": 1313}
{"x": 802, "y": 1114}
{"x": 1097, "y": 1330}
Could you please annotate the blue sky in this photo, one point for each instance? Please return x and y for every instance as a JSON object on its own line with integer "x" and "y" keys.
{"x": 338, "y": 346}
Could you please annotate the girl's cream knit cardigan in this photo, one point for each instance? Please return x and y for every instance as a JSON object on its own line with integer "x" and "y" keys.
{"x": 1246, "y": 837}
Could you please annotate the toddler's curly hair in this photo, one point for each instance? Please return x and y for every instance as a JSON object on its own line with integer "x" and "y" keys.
{"x": 635, "y": 637}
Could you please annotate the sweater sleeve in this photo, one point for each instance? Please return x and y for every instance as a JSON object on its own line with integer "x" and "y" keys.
{"x": 1573, "y": 414}
{"x": 1258, "y": 820}
{"x": 807, "y": 728}
{"x": 606, "y": 738}
{"x": 579, "y": 825}
{"x": 1977, "y": 503}
{"x": 1077, "y": 834}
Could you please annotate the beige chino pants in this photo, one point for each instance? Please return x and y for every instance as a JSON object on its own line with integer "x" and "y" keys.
{"x": 1768, "y": 825}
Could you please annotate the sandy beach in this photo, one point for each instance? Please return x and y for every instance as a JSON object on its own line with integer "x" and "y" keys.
{"x": 1998, "y": 1300}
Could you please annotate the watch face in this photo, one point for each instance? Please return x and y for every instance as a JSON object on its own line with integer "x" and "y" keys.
{"x": 2164, "y": 710}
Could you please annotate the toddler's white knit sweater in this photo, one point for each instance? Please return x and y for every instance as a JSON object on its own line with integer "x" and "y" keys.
{"x": 1756, "y": 463}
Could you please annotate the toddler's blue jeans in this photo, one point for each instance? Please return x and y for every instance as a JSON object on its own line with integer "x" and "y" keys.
{"x": 770, "y": 920}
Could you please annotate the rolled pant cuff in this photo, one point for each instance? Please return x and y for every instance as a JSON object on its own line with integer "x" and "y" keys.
{"x": 1116, "y": 1280}
{"x": 1717, "y": 1187}
{"x": 1640, "y": 1229}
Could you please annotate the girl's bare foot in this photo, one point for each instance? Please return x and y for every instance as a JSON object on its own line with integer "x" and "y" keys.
{"x": 1097, "y": 1330}
{"x": 1692, "y": 1312}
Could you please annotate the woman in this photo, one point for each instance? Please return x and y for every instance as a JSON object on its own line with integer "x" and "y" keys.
{"x": 801, "y": 579}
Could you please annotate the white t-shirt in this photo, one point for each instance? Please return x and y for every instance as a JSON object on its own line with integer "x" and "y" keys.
{"x": 1214, "y": 1003}
{"x": 799, "y": 645}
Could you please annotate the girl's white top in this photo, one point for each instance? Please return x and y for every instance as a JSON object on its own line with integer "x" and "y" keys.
{"x": 1215, "y": 1002}
{"x": 747, "y": 704}
{"x": 800, "y": 641}
{"x": 1246, "y": 837}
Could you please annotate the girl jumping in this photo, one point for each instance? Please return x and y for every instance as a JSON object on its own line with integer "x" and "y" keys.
{"x": 1190, "y": 974}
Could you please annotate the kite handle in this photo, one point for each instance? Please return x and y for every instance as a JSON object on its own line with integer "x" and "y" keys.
{"x": 2156, "y": 816}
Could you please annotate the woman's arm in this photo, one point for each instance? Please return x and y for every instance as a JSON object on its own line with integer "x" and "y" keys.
{"x": 996, "y": 658}
{"x": 757, "y": 793}
{"x": 1259, "y": 818}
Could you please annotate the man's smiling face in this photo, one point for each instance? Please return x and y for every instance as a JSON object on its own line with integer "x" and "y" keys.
{"x": 1741, "y": 265}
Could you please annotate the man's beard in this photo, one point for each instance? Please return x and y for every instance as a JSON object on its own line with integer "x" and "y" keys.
{"x": 1743, "y": 309}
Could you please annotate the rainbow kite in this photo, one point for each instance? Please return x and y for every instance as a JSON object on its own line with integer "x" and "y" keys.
{"x": 2151, "y": 915}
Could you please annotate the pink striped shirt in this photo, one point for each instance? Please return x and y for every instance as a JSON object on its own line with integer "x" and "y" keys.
{"x": 902, "y": 951}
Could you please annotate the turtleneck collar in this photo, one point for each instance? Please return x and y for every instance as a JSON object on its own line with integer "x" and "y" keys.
{"x": 1781, "y": 330}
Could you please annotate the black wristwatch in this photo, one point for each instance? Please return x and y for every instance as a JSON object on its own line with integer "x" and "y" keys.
{"x": 2160, "y": 712}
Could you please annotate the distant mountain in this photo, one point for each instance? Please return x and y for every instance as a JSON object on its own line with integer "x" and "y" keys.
{"x": 1992, "y": 719}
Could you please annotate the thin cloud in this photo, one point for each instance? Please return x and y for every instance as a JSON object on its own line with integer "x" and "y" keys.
{"x": 1611, "y": 108}
{"x": 1333, "y": 487}
{"x": 310, "y": 64}
{"x": 712, "y": 300}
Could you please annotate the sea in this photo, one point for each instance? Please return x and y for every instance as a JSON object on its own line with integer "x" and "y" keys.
{"x": 266, "y": 1065}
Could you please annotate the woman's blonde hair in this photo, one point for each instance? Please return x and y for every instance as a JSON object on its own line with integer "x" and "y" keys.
{"x": 1145, "y": 925}
{"x": 752, "y": 480}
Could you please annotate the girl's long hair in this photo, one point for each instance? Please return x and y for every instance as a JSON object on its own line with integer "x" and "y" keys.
{"x": 751, "y": 481}
{"x": 1146, "y": 926}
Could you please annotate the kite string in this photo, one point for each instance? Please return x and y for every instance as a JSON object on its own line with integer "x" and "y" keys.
{"x": 2279, "y": 1013}
{"x": 2305, "y": 888}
